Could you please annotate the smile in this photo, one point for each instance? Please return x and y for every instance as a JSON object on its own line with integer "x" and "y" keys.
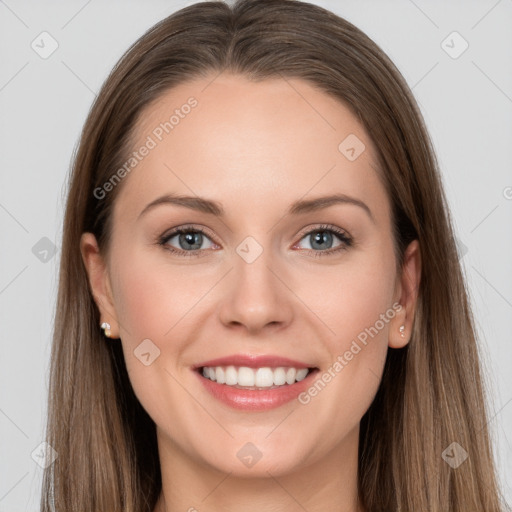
{"x": 255, "y": 383}
{"x": 244, "y": 377}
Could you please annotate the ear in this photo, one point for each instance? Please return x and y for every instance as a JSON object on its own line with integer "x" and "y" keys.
{"x": 99, "y": 281}
{"x": 407, "y": 294}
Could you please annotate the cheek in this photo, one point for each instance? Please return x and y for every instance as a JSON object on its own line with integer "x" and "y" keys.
{"x": 367, "y": 294}
{"x": 357, "y": 305}
{"x": 150, "y": 296}
{"x": 140, "y": 304}
{"x": 350, "y": 297}
{"x": 151, "y": 309}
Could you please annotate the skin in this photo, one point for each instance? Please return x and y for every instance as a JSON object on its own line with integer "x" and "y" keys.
{"x": 256, "y": 148}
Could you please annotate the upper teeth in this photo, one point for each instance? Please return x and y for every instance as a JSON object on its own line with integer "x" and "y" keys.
{"x": 259, "y": 377}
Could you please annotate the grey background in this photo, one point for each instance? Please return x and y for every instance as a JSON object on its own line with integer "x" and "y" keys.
{"x": 466, "y": 102}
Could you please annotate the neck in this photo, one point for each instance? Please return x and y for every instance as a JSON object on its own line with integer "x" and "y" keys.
{"x": 329, "y": 483}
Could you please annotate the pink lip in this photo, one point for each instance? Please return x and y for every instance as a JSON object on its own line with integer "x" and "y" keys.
{"x": 253, "y": 362}
{"x": 254, "y": 400}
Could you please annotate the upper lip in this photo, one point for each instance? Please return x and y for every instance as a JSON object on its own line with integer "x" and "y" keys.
{"x": 253, "y": 361}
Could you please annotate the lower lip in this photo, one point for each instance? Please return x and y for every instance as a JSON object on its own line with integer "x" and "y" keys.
{"x": 253, "y": 399}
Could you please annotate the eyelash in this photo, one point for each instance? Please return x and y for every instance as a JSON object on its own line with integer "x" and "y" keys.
{"x": 343, "y": 237}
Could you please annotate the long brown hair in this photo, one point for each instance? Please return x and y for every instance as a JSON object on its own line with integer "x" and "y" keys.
{"x": 431, "y": 393}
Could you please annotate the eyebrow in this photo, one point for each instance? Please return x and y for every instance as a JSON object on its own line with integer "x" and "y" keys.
{"x": 301, "y": 206}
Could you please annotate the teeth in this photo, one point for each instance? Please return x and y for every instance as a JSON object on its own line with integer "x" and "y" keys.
{"x": 290, "y": 375}
{"x": 231, "y": 376}
{"x": 220, "y": 375}
{"x": 279, "y": 376}
{"x": 301, "y": 374}
{"x": 254, "y": 377}
{"x": 246, "y": 376}
{"x": 264, "y": 378}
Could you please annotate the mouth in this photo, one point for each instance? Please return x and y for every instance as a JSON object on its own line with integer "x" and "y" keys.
{"x": 254, "y": 387}
{"x": 244, "y": 377}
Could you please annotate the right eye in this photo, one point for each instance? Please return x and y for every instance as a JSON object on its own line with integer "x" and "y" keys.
{"x": 189, "y": 240}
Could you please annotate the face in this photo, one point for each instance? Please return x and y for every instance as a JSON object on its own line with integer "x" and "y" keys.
{"x": 264, "y": 285}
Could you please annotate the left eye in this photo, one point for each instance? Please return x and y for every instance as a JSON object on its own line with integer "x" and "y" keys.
{"x": 319, "y": 238}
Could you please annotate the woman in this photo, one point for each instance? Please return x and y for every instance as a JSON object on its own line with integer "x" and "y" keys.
{"x": 204, "y": 357}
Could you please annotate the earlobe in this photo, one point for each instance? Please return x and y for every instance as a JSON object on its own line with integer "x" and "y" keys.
{"x": 401, "y": 325}
{"x": 99, "y": 282}
{"x": 399, "y": 334}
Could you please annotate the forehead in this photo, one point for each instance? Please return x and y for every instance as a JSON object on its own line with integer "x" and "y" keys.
{"x": 254, "y": 143}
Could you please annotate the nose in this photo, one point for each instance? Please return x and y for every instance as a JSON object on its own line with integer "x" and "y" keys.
{"x": 255, "y": 295}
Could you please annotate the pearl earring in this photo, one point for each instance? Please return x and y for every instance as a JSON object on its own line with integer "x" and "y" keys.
{"x": 402, "y": 329}
{"x": 106, "y": 327}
